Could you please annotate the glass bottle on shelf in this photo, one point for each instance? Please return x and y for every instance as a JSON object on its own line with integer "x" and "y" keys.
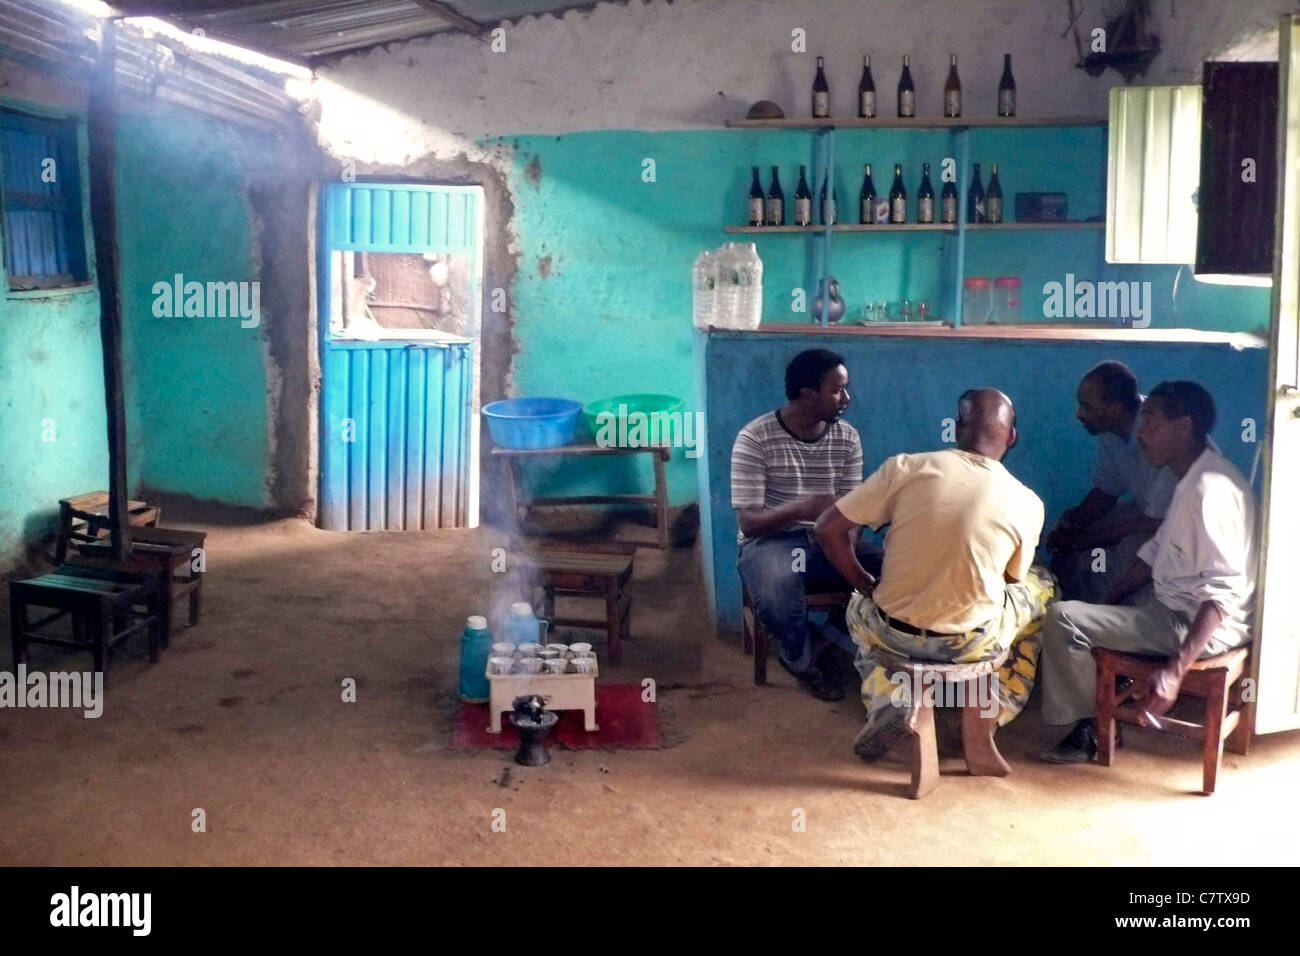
{"x": 821, "y": 93}
{"x": 993, "y": 198}
{"x": 948, "y": 203}
{"x": 1007, "y": 89}
{"x": 756, "y": 202}
{"x": 867, "y": 199}
{"x": 866, "y": 91}
{"x": 952, "y": 91}
{"x": 898, "y": 197}
{"x": 802, "y": 201}
{"x": 829, "y": 213}
{"x": 906, "y": 91}
{"x": 925, "y": 197}
{"x": 975, "y": 197}
{"x": 775, "y": 209}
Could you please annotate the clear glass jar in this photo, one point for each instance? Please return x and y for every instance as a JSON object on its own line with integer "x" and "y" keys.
{"x": 1006, "y": 299}
{"x": 976, "y": 301}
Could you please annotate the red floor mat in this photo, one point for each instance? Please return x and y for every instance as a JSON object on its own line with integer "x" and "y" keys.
{"x": 626, "y": 723}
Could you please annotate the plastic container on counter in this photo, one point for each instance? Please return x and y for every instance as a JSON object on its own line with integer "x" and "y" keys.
{"x": 1006, "y": 299}
{"x": 977, "y": 301}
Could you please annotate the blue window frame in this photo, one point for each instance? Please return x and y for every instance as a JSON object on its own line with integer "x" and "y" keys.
{"x": 44, "y": 235}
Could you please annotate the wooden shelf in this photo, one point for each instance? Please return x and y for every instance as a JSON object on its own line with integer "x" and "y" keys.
{"x": 912, "y": 227}
{"x": 921, "y": 122}
{"x": 1030, "y": 331}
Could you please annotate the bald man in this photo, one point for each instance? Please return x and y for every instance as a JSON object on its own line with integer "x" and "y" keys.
{"x": 958, "y": 582}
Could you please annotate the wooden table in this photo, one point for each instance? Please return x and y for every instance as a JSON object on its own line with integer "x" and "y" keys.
{"x": 658, "y": 500}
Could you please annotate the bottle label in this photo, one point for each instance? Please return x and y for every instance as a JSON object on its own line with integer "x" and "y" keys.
{"x": 802, "y": 211}
{"x": 821, "y": 104}
{"x": 882, "y": 209}
{"x": 979, "y": 211}
{"x": 899, "y": 213}
{"x": 948, "y": 209}
{"x": 868, "y": 211}
{"x": 775, "y": 212}
{"x": 755, "y": 211}
{"x": 952, "y": 103}
{"x": 828, "y": 211}
{"x": 907, "y": 103}
{"x": 993, "y": 209}
{"x": 1006, "y": 102}
{"x": 866, "y": 103}
{"x": 925, "y": 209}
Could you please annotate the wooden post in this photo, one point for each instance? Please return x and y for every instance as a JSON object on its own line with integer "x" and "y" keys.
{"x": 102, "y": 120}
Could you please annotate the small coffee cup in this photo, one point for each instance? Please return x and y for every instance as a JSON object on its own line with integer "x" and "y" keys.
{"x": 503, "y": 650}
{"x": 555, "y": 665}
{"x": 500, "y": 664}
{"x": 581, "y": 649}
{"x": 562, "y": 648}
{"x": 531, "y": 665}
{"x": 529, "y": 649}
{"x": 584, "y": 665}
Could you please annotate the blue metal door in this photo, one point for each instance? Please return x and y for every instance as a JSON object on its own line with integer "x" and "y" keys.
{"x": 397, "y": 436}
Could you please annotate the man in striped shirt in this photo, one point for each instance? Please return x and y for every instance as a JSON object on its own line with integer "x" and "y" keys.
{"x": 788, "y": 466}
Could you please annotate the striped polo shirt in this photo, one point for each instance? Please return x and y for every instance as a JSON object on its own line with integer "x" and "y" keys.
{"x": 771, "y": 466}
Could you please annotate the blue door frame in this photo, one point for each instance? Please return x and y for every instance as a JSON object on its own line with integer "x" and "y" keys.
{"x": 398, "y": 437}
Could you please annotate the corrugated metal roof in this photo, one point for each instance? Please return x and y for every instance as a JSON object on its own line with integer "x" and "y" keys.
{"x": 308, "y": 30}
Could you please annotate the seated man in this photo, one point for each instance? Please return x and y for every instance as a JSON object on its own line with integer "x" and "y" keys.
{"x": 960, "y": 528}
{"x": 1109, "y": 403}
{"x": 1201, "y": 563}
{"x": 787, "y": 467}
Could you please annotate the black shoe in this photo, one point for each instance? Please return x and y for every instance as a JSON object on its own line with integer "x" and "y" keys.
{"x": 813, "y": 681}
{"x": 1080, "y": 746}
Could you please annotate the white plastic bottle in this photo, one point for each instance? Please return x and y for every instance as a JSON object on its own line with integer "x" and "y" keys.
{"x": 704, "y": 281}
{"x": 750, "y": 313}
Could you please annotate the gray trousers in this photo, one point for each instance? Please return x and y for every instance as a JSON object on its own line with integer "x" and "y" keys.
{"x": 1067, "y": 672}
{"x": 1084, "y": 576}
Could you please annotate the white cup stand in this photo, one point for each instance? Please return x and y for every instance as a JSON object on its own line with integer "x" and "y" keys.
{"x": 560, "y": 691}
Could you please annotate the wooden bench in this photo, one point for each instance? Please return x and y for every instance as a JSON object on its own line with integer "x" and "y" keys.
{"x": 978, "y": 725}
{"x": 755, "y": 635}
{"x": 1217, "y": 680}
{"x": 83, "y": 519}
{"x": 168, "y": 553}
{"x": 104, "y": 606}
{"x": 587, "y": 574}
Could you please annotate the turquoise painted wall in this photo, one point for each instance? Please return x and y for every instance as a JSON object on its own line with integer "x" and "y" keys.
{"x": 197, "y": 387}
{"x": 51, "y": 386}
{"x": 602, "y": 298}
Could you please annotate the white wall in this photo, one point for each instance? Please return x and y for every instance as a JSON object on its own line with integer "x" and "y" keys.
{"x": 695, "y": 63}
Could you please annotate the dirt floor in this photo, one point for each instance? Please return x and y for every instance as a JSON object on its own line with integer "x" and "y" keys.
{"x": 243, "y": 717}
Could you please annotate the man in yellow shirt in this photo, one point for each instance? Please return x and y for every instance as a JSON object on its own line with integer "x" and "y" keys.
{"x": 958, "y": 583}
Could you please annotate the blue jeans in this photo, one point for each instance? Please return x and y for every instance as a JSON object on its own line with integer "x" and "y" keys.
{"x": 768, "y": 569}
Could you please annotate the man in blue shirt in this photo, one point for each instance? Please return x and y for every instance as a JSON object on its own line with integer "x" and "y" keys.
{"x": 1094, "y": 542}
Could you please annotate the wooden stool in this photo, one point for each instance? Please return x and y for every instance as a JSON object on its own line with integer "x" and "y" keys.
{"x": 977, "y": 727}
{"x": 1215, "y": 679}
{"x": 84, "y": 519}
{"x": 163, "y": 552}
{"x": 101, "y": 603}
{"x": 755, "y": 634}
{"x": 583, "y": 574}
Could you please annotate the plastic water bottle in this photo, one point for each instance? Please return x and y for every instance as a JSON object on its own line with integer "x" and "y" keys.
{"x": 750, "y": 313}
{"x": 703, "y": 282}
{"x": 728, "y": 288}
{"x": 475, "y": 645}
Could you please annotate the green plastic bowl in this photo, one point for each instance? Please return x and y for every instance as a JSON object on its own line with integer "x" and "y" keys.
{"x": 634, "y": 403}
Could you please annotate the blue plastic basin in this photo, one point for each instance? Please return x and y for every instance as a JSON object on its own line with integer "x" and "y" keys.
{"x": 532, "y": 422}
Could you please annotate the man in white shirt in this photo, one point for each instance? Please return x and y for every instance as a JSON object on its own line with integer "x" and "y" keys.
{"x": 1200, "y": 564}
{"x": 1094, "y": 542}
